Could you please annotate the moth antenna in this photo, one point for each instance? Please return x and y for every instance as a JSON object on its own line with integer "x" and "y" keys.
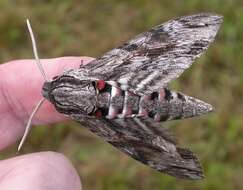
{"x": 35, "y": 51}
{"x": 28, "y": 126}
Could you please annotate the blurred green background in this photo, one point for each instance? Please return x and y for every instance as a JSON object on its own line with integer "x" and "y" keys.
{"x": 92, "y": 27}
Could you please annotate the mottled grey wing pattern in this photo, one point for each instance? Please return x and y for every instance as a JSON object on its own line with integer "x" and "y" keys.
{"x": 152, "y": 59}
{"x": 147, "y": 142}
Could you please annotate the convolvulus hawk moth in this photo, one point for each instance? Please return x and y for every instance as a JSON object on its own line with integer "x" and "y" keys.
{"x": 123, "y": 95}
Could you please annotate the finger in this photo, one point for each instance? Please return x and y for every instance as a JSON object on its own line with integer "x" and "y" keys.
{"x": 21, "y": 84}
{"x": 20, "y": 90}
{"x": 44, "y": 170}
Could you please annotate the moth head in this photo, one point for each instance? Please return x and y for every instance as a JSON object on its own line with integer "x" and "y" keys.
{"x": 71, "y": 95}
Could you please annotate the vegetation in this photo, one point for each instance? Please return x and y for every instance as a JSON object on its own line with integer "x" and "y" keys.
{"x": 90, "y": 28}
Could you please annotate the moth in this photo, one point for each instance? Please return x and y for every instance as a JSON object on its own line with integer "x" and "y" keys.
{"x": 123, "y": 96}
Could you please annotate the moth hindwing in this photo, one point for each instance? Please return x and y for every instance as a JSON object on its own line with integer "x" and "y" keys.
{"x": 122, "y": 95}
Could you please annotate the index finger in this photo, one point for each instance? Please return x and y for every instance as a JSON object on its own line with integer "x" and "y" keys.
{"x": 20, "y": 90}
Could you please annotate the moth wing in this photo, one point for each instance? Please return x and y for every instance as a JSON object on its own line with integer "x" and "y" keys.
{"x": 154, "y": 58}
{"x": 149, "y": 143}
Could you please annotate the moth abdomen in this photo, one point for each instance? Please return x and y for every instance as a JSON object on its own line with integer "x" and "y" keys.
{"x": 162, "y": 105}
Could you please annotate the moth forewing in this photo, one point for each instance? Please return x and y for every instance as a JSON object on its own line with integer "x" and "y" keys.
{"x": 152, "y": 59}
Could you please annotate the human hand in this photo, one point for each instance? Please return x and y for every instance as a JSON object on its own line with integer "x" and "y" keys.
{"x": 20, "y": 90}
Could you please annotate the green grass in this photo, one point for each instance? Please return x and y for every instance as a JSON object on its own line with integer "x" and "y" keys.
{"x": 90, "y": 28}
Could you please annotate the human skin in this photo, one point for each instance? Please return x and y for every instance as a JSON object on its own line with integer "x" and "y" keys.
{"x": 20, "y": 90}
